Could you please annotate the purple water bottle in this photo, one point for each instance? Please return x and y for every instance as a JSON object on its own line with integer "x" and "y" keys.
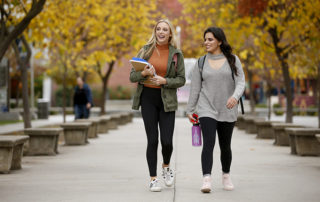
{"x": 196, "y": 132}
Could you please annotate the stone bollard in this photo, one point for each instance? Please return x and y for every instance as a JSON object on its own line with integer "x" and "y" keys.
{"x": 11, "y": 152}
{"x": 76, "y": 133}
{"x": 281, "y": 137}
{"x": 43, "y": 141}
{"x": 303, "y": 141}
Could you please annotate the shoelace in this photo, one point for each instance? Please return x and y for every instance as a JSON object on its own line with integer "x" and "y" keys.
{"x": 167, "y": 172}
{"x": 153, "y": 182}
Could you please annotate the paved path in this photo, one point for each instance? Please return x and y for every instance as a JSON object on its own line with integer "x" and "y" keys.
{"x": 113, "y": 168}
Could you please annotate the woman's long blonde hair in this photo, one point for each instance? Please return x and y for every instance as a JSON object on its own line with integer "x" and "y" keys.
{"x": 153, "y": 39}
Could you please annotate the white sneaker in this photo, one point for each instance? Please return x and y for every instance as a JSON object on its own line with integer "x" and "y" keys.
{"x": 155, "y": 185}
{"x": 168, "y": 176}
{"x": 226, "y": 182}
{"x": 206, "y": 186}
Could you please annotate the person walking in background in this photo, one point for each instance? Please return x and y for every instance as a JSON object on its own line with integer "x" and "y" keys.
{"x": 82, "y": 100}
{"x": 216, "y": 88}
{"x": 157, "y": 95}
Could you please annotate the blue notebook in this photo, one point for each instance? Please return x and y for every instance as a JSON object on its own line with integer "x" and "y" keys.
{"x": 139, "y": 63}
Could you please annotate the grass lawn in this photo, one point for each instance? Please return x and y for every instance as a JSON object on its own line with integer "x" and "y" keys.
{"x": 8, "y": 122}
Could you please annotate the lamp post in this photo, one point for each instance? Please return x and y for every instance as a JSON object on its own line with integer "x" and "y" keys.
{"x": 178, "y": 29}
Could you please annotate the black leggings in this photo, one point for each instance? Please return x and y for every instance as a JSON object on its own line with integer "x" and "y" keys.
{"x": 209, "y": 126}
{"x": 153, "y": 114}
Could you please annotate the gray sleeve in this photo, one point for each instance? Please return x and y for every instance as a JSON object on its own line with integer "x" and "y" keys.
{"x": 195, "y": 89}
{"x": 239, "y": 80}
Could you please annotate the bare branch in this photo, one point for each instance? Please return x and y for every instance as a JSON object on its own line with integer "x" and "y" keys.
{"x": 23, "y": 7}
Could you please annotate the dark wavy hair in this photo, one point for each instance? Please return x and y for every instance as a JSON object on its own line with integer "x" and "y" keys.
{"x": 225, "y": 47}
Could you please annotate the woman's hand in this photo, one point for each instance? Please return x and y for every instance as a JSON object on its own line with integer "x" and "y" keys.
{"x": 147, "y": 71}
{"x": 191, "y": 119}
{"x": 159, "y": 80}
{"x": 231, "y": 102}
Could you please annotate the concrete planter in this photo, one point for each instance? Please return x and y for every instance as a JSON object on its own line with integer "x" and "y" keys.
{"x": 93, "y": 129}
{"x": 43, "y": 141}
{"x": 11, "y": 152}
{"x": 240, "y": 122}
{"x": 76, "y": 133}
{"x": 264, "y": 129}
{"x": 250, "y": 125}
{"x": 117, "y": 118}
{"x": 318, "y": 137}
{"x": 103, "y": 124}
{"x": 281, "y": 137}
{"x": 113, "y": 122}
{"x": 303, "y": 141}
{"x": 126, "y": 117}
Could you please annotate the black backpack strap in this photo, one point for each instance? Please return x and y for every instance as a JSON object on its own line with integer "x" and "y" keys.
{"x": 241, "y": 102}
{"x": 200, "y": 64}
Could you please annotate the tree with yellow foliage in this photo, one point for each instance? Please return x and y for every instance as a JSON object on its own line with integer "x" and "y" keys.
{"x": 306, "y": 58}
{"x": 283, "y": 30}
{"x": 15, "y": 18}
{"x": 267, "y": 38}
{"x": 82, "y": 35}
{"x": 200, "y": 15}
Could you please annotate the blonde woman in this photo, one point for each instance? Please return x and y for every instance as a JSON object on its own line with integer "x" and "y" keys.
{"x": 157, "y": 95}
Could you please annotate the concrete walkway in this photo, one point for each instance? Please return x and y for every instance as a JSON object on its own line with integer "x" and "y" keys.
{"x": 113, "y": 168}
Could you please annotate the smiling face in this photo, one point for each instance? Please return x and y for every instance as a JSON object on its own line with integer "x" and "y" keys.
{"x": 163, "y": 33}
{"x": 211, "y": 44}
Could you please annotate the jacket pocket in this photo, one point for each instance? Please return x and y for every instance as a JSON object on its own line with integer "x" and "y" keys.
{"x": 170, "y": 97}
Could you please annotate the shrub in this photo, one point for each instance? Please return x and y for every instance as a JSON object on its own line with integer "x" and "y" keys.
{"x": 69, "y": 96}
{"x": 312, "y": 110}
{"x": 277, "y": 109}
{"x": 120, "y": 93}
{"x": 261, "y": 105}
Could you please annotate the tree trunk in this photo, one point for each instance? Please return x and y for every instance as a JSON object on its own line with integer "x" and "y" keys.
{"x": 269, "y": 88}
{"x": 105, "y": 80}
{"x": 289, "y": 94}
{"x": 251, "y": 92}
{"x": 283, "y": 58}
{"x": 17, "y": 94}
{"x": 103, "y": 96}
{"x": 24, "y": 79}
{"x": 8, "y": 38}
{"x": 318, "y": 92}
{"x": 64, "y": 89}
{"x": 25, "y": 96}
{"x": 8, "y": 87}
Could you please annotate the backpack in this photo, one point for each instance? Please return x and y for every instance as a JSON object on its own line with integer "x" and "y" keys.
{"x": 200, "y": 65}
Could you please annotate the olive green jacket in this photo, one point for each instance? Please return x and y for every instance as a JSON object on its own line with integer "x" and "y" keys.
{"x": 175, "y": 77}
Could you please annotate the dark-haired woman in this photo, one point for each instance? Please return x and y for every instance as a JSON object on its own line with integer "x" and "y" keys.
{"x": 214, "y": 96}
